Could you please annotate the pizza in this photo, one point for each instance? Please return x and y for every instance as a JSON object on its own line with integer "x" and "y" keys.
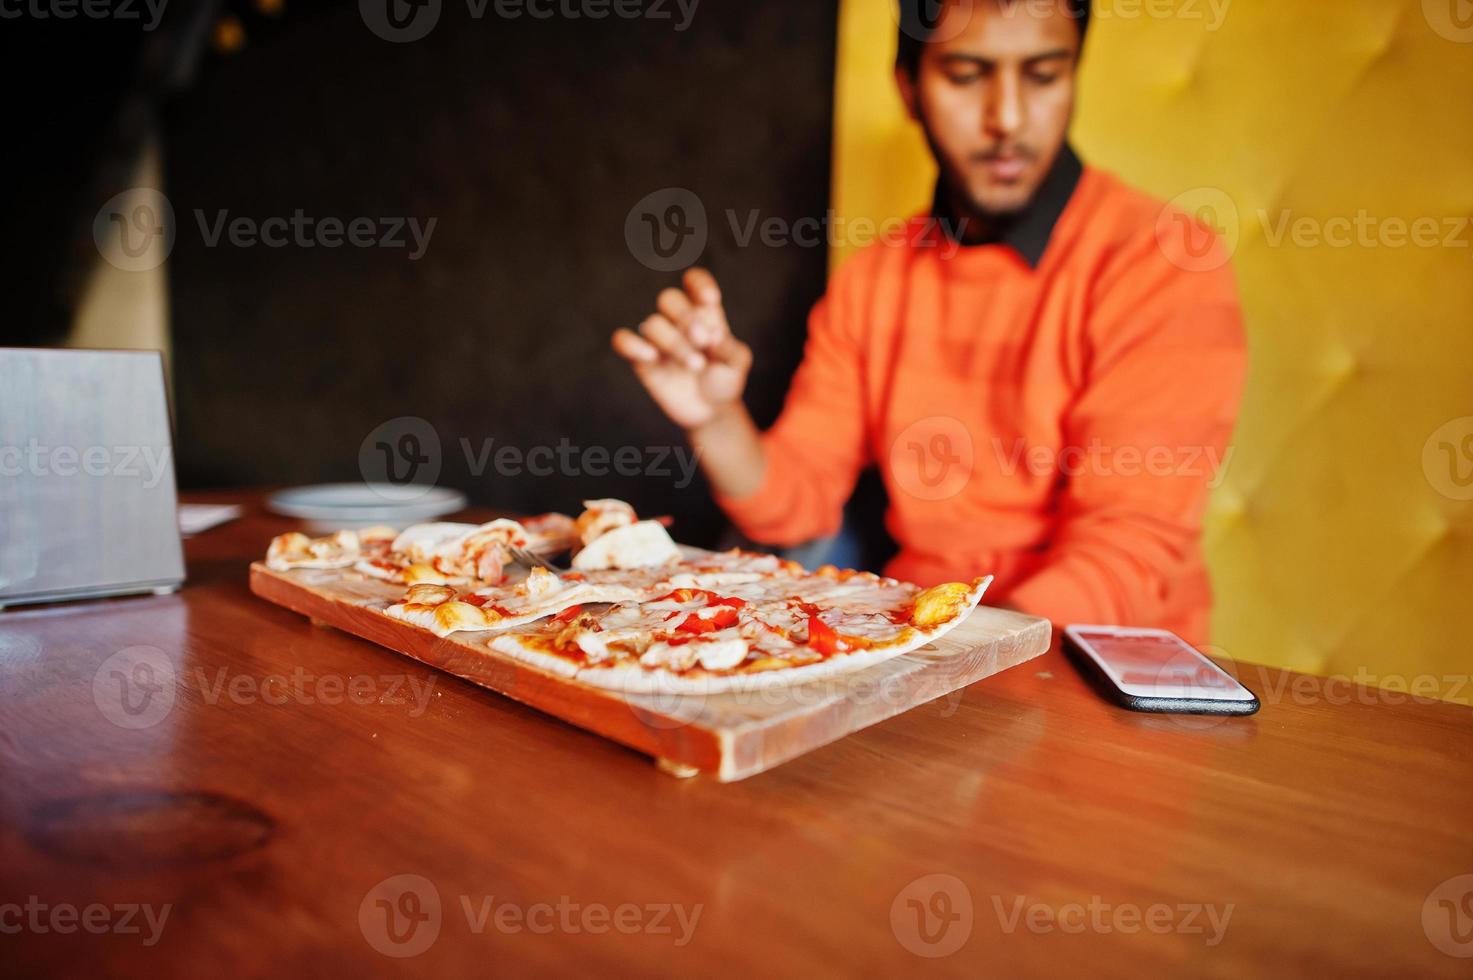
{"x": 637, "y": 612}
{"x": 444, "y": 553}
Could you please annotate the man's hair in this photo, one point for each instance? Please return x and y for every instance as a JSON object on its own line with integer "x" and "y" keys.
{"x": 918, "y": 19}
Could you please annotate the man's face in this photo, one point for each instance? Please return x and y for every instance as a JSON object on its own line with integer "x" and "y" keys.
{"x": 994, "y": 92}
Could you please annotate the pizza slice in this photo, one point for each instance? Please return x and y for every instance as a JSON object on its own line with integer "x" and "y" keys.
{"x": 338, "y": 550}
{"x": 444, "y": 609}
{"x": 448, "y": 553}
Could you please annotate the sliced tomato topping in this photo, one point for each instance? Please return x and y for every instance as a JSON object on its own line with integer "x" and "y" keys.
{"x": 567, "y": 614}
{"x": 695, "y": 623}
{"x": 821, "y": 636}
{"x": 711, "y": 598}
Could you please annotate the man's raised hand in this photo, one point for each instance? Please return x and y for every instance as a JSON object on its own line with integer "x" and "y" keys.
{"x": 685, "y": 354}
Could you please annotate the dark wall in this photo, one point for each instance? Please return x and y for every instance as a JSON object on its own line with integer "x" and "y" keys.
{"x": 529, "y": 141}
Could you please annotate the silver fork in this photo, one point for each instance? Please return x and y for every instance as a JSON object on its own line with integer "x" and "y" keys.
{"x": 524, "y": 557}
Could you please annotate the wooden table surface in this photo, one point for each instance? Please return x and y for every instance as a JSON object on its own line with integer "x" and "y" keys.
{"x": 205, "y": 783}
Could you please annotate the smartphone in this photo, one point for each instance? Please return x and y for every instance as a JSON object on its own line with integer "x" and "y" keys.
{"x": 1156, "y": 670}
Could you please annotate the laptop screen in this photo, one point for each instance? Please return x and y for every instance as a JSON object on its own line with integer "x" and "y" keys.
{"x": 87, "y": 497}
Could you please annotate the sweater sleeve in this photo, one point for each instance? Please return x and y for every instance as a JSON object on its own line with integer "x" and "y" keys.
{"x": 817, "y": 447}
{"x": 1145, "y": 441}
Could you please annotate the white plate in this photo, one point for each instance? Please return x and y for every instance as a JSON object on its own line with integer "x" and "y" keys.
{"x": 361, "y": 504}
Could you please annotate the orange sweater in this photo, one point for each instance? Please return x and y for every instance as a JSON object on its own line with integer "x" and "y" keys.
{"x": 1059, "y": 427}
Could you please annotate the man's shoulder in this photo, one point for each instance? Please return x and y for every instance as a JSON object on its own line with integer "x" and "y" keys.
{"x": 1121, "y": 222}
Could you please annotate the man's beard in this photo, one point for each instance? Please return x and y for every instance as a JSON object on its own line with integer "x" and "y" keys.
{"x": 976, "y": 220}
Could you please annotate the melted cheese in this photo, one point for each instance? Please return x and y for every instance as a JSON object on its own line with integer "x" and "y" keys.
{"x": 632, "y": 546}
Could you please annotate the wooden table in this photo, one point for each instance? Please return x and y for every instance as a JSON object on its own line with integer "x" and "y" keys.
{"x": 321, "y": 821}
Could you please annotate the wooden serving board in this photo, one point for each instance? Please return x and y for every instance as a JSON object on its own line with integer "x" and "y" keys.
{"x": 732, "y": 735}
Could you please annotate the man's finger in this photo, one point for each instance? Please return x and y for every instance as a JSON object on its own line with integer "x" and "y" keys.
{"x": 701, "y": 286}
{"x": 708, "y": 327}
{"x": 731, "y": 352}
{"x": 632, "y": 347}
{"x": 671, "y": 342}
{"x": 676, "y": 307}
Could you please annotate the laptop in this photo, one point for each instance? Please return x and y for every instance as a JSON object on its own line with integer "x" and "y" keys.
{"x": 88, "y": 504}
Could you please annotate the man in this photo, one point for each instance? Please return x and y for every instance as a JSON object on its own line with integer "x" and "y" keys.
{"x": 1048, "y": 399}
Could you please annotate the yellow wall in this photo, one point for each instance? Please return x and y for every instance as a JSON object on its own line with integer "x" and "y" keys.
{"x": 1341, "y": 539}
